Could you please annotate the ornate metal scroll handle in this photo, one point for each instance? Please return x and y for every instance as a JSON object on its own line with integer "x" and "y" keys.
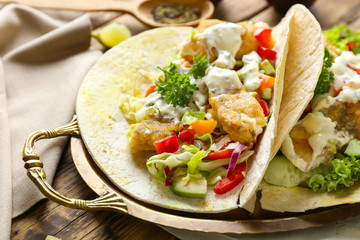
{"x": 108, "y": 201}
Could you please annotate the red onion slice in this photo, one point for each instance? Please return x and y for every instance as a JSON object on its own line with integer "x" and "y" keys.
{"x": 170, "y": 176}
{"x": 234, "y": 157}
{"x": 198, "y": 143}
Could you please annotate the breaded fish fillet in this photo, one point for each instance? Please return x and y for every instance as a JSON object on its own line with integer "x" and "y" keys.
{"x": 151, "y": 130}
{"x": 240, "y": 115}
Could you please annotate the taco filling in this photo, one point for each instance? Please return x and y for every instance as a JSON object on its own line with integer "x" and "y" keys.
{"x": 207, "y": 108}
{"x": 322, "y": 151}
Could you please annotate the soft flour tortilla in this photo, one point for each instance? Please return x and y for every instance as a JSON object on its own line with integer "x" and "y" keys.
{"x": 258, "y": 164}
{"x": 305, "y": 59}
{"x": 123, "y": 69}
{"x": 298, "y": 199}
{"x": 303, "y": 68}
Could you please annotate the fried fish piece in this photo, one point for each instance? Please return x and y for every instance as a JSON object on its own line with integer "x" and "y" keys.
{"x": 249, "y": 42}
{"x": 151, "y": 130}
{"x": 346, "y": 116}
{"x": 240, "y": 115}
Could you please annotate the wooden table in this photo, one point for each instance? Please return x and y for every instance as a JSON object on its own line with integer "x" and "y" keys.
{"x": 49, "y": 218}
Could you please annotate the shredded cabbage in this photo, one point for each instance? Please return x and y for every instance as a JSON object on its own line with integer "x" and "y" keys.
{"x": 157, "y": 163}
{"x": 195, "y": 160}
{"x": 192, "y": 158}
{"x": 213, "y": 164}
{"x": 130, "y": 105}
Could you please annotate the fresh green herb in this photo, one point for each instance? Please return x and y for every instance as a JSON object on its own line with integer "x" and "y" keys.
{"x": 199, "y": 67}
{"x": 326, "y": 76}
{"x": 176, "y": 88}
{"x": 344, "y": 173}
{"x": 340, "y": 35}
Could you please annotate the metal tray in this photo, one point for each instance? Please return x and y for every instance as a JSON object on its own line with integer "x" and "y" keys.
{"x": 111, "y": 198}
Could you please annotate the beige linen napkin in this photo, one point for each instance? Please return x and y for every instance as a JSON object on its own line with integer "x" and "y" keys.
{"x": 43, "y": 61}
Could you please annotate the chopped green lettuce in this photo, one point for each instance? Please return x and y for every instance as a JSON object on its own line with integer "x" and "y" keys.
{"x": 344, "y": 173}
{"x": 340, "y": 35}
{"x": 191, "y": 116}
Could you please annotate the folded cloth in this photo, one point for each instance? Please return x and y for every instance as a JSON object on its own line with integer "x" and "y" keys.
{"x": 43, "y": 61}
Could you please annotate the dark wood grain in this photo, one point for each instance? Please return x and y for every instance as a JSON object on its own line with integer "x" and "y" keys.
{"x": 49, "y": 218}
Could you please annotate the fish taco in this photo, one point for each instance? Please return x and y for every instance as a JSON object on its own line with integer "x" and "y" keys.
{"x": 319, "y": 161}
{"x": 186, "y": 118}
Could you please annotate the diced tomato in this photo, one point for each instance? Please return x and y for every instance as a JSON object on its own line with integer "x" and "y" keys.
{"x": 169, "y": 144}
{"x": 266, "y": 53}
{"x": 266, "y": 81}
{"x": 228, "y": 183}
{"x": 357, "y": 70}
{"x": 265, "y": 107}
{"x": 150, "y": 90}
{"x": 186, "y": 134}
{"x": 204, "y": 126}
{"x": 263, "y": 35}
{"x": 222, "y": 154}
{"x": 352, "y": 45}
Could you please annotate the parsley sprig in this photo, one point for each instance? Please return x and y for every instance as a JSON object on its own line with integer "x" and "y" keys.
{"x": 326, "y": 76}
{"x": 199, "y": 67}
{"x": 177, "y": 88}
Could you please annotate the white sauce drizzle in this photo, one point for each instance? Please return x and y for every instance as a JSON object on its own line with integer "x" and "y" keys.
{"x": 320, "y": 128}
{"x": 222, "y": 80}
{"x": 250, "y": 71}
{"x": 155, "y": 104}
{"x": 225, "y": 39}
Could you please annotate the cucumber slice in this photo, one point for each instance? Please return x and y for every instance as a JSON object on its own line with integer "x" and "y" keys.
{"x": 267, "y": 67}
{"x": 353, "y": 148}
{"x": 194, "y": 188}
{"x": 282, "y": 172}
{"x": 265, "y": 93}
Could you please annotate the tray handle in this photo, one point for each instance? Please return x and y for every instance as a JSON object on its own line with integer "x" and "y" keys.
{"x": 36, "y": 172}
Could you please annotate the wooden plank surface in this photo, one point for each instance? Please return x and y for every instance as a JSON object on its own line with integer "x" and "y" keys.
{"x": 48, "y": 218}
